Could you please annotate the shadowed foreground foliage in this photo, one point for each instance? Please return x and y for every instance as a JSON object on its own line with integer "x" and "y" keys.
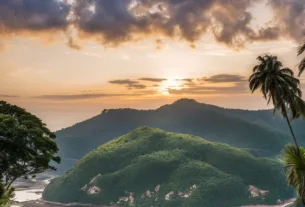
{"x": 146, "y": 158}
{"x": 5, "y": 196}
{"x": 26, "y": 147}
{"x": 294, "y": 160}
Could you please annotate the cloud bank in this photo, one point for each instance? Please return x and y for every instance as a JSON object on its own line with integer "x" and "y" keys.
{"x": 225, "y": 78}
{"x": 220, "y": 84}
{"x": 80, "y": 96}
{"x": 113, "y": 22}
{"x": 130, "y": 84}
{"x": 156, "y": 80}
{"x": 8, "y": 96}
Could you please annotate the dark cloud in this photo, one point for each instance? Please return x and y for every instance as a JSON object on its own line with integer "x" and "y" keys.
{"x": 225, "y": 78}
{"x": 290, "y": 15}
{"x": 123, "y": 82}
{"x": 112, "y": 22}
{"x": 117, "y": 21}
{"x": 158, "y": 80}
{"x": 32, "y": 15}
{"x": 130, "y": 84}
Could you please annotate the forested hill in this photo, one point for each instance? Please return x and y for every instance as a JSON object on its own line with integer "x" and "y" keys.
{"x": 150, "y": 167}
{"x": 257, "y": 131}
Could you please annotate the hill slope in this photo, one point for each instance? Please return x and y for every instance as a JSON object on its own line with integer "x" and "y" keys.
{"x": 149, "y": 167}
{"x": 256, "y": 131}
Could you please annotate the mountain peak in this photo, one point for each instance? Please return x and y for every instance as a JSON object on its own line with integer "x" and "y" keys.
{"x": 185, "y": 101}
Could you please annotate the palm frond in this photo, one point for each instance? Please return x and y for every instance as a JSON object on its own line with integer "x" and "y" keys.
{"x": 301, "y": 49}
{"x": 300, "y": 107}
{"x": 294, "y": 160}
{"x": 261, "y": 59}
{"x": 302, "y": 67}
{"x": 254, "y": 85}
{"x": 287, "y": 71}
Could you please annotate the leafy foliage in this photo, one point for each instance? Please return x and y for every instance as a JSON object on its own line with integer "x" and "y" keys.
{"x": 26, "y": 145}
{"x": 145, "y": 158}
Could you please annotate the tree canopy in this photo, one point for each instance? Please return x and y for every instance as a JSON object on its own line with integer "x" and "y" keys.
{"x": 26, "y": 145}
{"x": 279, "y": 86}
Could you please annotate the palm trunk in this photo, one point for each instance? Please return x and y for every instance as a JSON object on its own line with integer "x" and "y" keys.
{"x": 290, "y": 127}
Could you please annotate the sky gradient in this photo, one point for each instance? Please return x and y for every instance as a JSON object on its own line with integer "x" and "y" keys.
{"x": 66, "y": 61}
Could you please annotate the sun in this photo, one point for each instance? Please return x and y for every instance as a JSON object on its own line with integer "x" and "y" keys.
{"x": 171, "y": 83}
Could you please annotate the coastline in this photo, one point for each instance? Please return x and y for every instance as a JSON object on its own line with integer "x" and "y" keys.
{"x": 29, "y": 194}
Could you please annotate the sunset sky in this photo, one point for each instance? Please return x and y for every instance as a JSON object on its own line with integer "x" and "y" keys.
{"x": 67, "y": 60}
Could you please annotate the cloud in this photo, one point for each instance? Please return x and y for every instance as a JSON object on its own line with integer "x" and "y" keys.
{"x": 113, "y": 22}
{"x": 136, "y": 86}
{"x": 202, "y": 86}
{"x": 156, "y": 80}
{"x": 189, "y": 86}
{"x": 73, "y": 45}
{"x": 123, "y": 82}
{"x": 130, "y": 84}
{"x": 33, "y": 15}
{"x": 234, "y": 83}
{"x": 188, "y": 80}
{"x": 290, "y": 15}
{"x": 225, "y": 78}
{"x": 237, "y": 88}
{"x": 8, "y": 96}
{"x": 80, "y": 96}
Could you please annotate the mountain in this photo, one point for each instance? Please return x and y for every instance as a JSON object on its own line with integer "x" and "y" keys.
{"x": 150, "y": 167}
{"x": 257, "y": 131}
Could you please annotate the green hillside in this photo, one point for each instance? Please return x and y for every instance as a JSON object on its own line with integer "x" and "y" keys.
{"x": 150, "y": 167}
{"x": 256, "y": 131}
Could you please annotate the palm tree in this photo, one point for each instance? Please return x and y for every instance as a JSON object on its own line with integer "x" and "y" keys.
{"x": 278, "y": 85}
{"x": 294, "y": 160}
{"x": 302, "y": 64}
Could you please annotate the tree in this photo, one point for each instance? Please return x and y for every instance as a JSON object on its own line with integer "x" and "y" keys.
{"x": 302, "y": 64}
{"x": 294, "y": 160}
{"x": 278, "y": 85}
{"x": 26, "y": 145}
